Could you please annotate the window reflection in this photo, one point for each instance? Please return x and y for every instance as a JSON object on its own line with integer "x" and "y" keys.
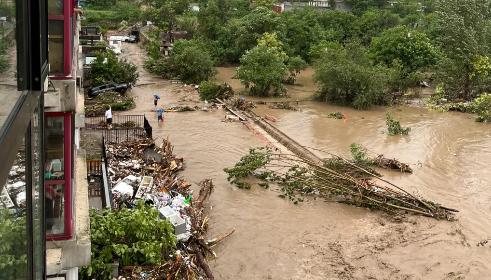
{"x": 8, "y": 60}
{"x": 13, "y": 229}
{"x": 56, "y": 45}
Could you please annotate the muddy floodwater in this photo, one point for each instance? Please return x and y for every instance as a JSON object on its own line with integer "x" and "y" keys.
{"x": 275, "y": 239}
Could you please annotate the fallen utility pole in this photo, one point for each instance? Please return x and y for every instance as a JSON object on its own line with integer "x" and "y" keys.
{"x": 284, "y": 139}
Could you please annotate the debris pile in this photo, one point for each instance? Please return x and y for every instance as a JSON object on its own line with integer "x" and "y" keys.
{"x": 241, "y": 104}
{"x": 335, "y": 115}
{"x": 389, "y": 163}
{"x": 282, "y": 105}
{"x": 143, "y": 170}
{"x": 296, "y": 175}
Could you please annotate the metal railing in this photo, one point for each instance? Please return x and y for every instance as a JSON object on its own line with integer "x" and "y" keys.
{"x": 119, "y": 122}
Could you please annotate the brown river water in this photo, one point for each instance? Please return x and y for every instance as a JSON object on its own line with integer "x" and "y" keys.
{"x": 275, "y": 239}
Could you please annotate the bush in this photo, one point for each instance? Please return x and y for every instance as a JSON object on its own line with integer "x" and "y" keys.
{"x": 347, "y": 78}
{"x": 359, "y": 154}
{"x": 133, "y": 237}
{"x": 106, "y": 68}
{"x": 13, "y": 255}
{"x": 394, "y": 126}
{"x": 210, "y": 90}
{"x": 163, "y": 67}
{"x": 124, "y": 105}
{"x": 194, "y": 65}
{"x": 483, "y": 106}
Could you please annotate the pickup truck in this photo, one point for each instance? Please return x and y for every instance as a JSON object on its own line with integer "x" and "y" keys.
{"x": 95, "y": 91}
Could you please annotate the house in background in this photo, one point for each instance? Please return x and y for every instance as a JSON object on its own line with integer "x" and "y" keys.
{"x": 319, "y": 5}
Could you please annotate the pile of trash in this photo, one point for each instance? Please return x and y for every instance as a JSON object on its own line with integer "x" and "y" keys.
{"x": 143, "y": 170}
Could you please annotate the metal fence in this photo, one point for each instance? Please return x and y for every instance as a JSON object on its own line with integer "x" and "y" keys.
{"x": 119, "y": 122}
{"x": 123, "y": 135}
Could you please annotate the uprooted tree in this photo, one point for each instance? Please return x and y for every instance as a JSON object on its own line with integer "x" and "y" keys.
{"x": 335, "y": 178}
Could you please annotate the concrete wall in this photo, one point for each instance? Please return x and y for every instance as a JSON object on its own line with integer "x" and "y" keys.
{"x": 63, "y": 99}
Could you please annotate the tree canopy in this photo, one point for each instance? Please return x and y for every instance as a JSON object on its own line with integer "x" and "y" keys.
{"x": 411, "y": 47}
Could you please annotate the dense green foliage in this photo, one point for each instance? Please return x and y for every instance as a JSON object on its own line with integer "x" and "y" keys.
{"x": 394, "y": 127}
{"x": 131, "y": 237}
{"x": 194, "y": 65}
{"x": 483, "y": 107}
{"x": 211, "y": 90}
{"x": 346, "y": 77}
{"x": 106, "y": 68}
{"x": 13, "y": 250}
{"x": 359, "y": 154}
{"x": 261, "y": 69}
{"x": 410, "y": 47}
{"x": 465, "y": 39}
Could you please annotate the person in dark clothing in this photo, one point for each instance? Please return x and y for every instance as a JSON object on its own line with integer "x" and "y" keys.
{"x": 155, "y": 101}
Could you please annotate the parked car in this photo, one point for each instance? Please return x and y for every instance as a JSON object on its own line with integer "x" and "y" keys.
{"x": 95, "y": 91}
{"x": 136, "y": 33}
{"x": 132, "y": 39}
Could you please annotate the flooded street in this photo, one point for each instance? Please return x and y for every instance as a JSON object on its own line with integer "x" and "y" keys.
{"x": 275, "y": 239}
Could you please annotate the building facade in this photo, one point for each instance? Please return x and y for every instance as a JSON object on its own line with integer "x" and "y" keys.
{"x": 44, "y": 198}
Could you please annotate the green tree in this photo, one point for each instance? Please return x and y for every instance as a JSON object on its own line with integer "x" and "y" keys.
{"x": 295, "y": 65}
{"x": 106, "y": 68}
{"x": 346, "y": 77}
{"x": 133, "y": 237}
{"x": 187, "y": 23}
{"x": 125, "y": 10}
{"x": 13, "y": 251}
{"x": 303, "y": 30}
{"x": 411, "y": 47}
{"x": 465, "y": 35}
{"x": 247, "y": 30}
{"x": 209, "y": 20}
{"x": 373, "y": 22}
{"x": 194, "y": 65}
{"x": 262, "y": 69}
{"x": 161, "y": 15}
{"x": 345, "y": 25}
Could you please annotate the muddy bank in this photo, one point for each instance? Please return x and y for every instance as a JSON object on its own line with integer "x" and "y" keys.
{"x": 275, "y": 239}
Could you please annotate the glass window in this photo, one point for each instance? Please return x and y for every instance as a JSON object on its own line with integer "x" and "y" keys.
{"x": 8, "y": 60}
{"x": 13, "y": 225}
{"x": 56, "y": 45}
{"x": 55, "y": 175}
{"x": 55, "y": 7}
